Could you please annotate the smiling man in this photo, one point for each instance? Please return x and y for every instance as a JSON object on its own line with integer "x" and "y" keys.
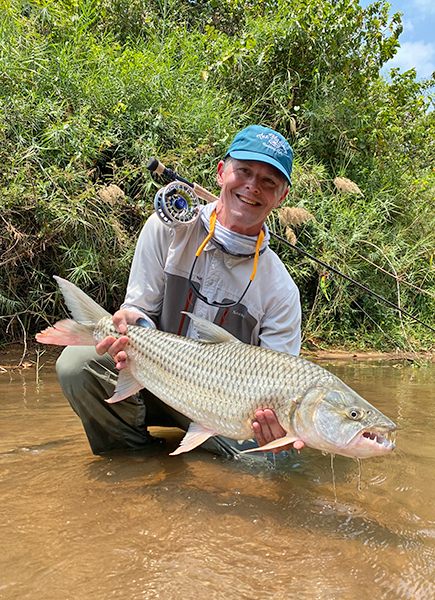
{"x": 254, "y": 178}
{"x": 220, "y": 268}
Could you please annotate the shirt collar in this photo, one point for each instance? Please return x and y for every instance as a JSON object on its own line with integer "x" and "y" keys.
{"x": 230, "y": 242}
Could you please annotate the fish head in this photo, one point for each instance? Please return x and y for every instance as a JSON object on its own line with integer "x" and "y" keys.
{"x": 339, "y": 421}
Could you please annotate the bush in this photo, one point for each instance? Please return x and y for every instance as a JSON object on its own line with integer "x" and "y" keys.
{"x": 90, "y": 89}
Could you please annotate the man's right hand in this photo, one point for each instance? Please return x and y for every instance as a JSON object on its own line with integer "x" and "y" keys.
{"x": 115, "y": 346}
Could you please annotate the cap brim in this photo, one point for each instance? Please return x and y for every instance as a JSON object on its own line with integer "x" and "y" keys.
{"x": 245, "y": 155}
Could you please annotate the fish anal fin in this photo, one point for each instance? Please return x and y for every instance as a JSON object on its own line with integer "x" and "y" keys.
{"x": 126, "y": 386}
{"x": 287, "y": 439}
{"x": 196, "y": 435}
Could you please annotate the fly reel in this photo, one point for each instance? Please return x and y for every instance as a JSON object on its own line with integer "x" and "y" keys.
{"x": 177, "y": 203}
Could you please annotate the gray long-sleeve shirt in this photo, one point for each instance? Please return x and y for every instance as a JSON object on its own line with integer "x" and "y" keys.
{"x": 269, "y": 314}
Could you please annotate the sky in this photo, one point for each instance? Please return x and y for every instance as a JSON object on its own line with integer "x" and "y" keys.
{"x": 417, "y": 41}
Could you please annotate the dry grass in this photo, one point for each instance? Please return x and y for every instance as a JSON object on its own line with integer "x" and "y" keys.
{"x": 294, "y": 216}
{"x": 291, "y": 236}
{"x": 346, "y": 186}
{"x": 111, "y": 194}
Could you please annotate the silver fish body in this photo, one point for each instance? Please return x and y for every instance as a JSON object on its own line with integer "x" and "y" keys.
{"x": 220, "y": 383}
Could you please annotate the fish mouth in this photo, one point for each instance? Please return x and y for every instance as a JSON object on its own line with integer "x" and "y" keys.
{"x": 372, "y": 442}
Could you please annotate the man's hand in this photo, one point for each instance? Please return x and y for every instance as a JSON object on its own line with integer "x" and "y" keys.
{"x": 267, "y": 428}
{"x": 115, "y": 347}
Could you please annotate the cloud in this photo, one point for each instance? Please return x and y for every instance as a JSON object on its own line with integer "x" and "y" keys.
{"x": 408, "y": 25}
{"x": 427, "y": 6}
{"x": 418, "y": 55}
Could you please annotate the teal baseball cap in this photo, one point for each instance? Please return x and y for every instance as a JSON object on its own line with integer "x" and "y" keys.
{"x": 265, "y": 145}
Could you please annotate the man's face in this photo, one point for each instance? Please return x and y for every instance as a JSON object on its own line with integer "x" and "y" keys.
{"x": 250, "y": 191}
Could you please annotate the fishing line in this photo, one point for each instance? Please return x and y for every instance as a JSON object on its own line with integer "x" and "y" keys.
{"x": 156, "y": 167}
{"x": 333, "y": 478}
{"x": 360, "y": 285}
{"x": 359, "y": 474}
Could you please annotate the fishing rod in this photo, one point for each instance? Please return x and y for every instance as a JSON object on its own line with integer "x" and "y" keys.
{"x": 176, "y": 204}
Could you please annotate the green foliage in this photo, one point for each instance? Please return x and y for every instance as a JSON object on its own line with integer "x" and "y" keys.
{"x": 372, "y": 241}
{"x": 90, "y": 89}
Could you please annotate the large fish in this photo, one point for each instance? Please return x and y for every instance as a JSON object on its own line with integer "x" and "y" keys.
{"x": 219, "y": 383}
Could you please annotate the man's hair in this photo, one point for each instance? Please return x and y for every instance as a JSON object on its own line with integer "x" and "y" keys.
{"x": 285, "y": 184}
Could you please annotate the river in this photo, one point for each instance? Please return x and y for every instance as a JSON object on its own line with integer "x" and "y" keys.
{"x": 145, "y": 525}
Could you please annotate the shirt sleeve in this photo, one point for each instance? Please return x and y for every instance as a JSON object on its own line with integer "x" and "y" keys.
{"x": 146, "y": 284}
{"x": 280, "y": 328}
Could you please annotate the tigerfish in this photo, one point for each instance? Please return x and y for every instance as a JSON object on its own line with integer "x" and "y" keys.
{"x": 219, "y": 382}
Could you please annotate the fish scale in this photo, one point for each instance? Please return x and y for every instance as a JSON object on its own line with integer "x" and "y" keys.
{"x": 219, "y": 383}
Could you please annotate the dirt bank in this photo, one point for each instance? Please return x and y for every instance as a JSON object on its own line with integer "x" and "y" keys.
{"x": 16, "y": 356}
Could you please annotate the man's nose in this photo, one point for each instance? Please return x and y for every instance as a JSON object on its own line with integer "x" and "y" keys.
{"x": 253, "y": 182}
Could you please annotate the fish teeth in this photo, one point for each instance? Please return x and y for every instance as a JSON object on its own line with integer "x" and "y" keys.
{"x": 391, "y": 437}
{"x": 387, "y": 439}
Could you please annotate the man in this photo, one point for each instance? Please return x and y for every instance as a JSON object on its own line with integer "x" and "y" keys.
{"x": 221, "y": 268}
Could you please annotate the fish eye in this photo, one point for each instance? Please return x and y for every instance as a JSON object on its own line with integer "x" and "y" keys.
{"x": 355, "y": 413}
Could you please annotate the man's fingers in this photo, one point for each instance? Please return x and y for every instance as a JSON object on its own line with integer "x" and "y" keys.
{"x": 258, "y": 432}
{"x": 275, "y": 428}
{"x": 122, "y": 318}
{"x": 118, "y": 346}
{"x": 270, "y": 427}
{"x": 120, "y": 322}
{"x": 121, "y": 360}
{"x": 298, "y": 444}
{"x": 111, "y": 345}
{"x": 103, "y": 346}
{"x": 267, "y": 428}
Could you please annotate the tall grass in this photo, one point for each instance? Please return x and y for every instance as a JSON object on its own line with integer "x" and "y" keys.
{"x": 366, "y": 239}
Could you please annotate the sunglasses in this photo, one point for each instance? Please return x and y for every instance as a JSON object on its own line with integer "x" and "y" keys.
{"x": 195, "y": 286}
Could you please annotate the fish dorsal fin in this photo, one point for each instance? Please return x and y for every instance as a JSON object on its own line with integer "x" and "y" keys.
{"x": 82, "y": 308}
{"x": 210, "y": 332}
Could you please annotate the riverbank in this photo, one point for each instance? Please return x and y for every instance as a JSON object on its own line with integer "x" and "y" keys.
{"x": 33, "y": 356}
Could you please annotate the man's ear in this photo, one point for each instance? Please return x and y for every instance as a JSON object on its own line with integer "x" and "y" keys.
{"x": 282, "y": 197}
{"x": 220, "y": 172}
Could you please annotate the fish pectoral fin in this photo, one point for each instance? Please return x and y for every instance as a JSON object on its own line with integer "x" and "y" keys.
{"x": 287, "y": 439}
{"x": 125, "y": 387}
{"x": 196, "y": 435}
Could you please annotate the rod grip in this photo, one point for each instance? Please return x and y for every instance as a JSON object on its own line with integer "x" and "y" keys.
{"x": 203, "y": 193}
{"x": 155, "y": 166}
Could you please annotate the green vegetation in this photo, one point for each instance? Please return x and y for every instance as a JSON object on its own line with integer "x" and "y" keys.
{"x": 90, "y": 89}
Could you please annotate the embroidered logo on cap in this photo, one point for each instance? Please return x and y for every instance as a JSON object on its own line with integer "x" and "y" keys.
{"x": 272, "y": 141}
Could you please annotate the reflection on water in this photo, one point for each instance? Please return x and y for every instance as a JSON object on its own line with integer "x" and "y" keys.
{"x": 195, "y": 526}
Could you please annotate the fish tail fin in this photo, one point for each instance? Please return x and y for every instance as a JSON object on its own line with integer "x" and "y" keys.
{"x": 83, "y": 309}
{"x": 86, "y": 313}
{"x": 67, "y": 333}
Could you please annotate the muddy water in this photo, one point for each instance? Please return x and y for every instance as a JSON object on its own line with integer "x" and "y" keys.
{"x": 147, "y": 525}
